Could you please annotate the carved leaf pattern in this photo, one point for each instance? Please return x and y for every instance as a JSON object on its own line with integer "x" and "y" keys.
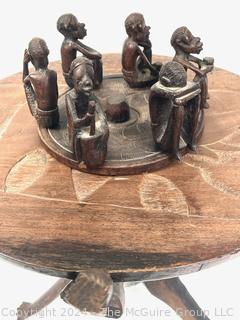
{"x": 6, "y": 123}
{"x": 216, "y": 183}
{"x": 154, "y": 195}
{"x": 214, "y": 171}
{"x": 26, "y": 171}
{"x": 86, "y": 184}
{"x": 232, "y": 139}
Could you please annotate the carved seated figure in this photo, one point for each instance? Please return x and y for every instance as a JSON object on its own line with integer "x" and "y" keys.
{"x": 185, "y": 44}
{"x": 72, "y": 30}
{"x": 137, "y": 67}
{"x": 40, "y": 85}
{"x": 171, "y": 102}
{"x": 87, "y": 124}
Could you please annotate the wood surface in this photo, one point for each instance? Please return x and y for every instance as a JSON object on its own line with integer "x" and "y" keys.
{"x": 180, "y": 219}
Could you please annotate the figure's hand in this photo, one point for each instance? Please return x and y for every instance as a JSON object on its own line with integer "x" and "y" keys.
{"x": 206, "y": 69}
{"x": 91, "y": 107}
{"x": 147, "y": 44}
{"x": 26, "y": 80}
{"x": 208, "y": 61}
{"x": 26, "y": 58}
{"x": 157, "y": 65}
{"x": 207, "y": 65}
{"x": 210, "y": 68}
{"x": 156, "y": 68}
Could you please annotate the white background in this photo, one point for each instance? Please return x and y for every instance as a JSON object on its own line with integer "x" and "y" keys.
{"x": 218, "y": 24}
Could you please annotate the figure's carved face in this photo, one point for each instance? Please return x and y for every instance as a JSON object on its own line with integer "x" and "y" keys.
{"x": 81, "y": 31}
{"x": 142, "y": 32}
{"x": 40, "y": 61}
{"x": 184, "y": 40}
{"x": 68, "y": 25}
{"x": 136, "y": 28}
{"x": 83, "y": 79}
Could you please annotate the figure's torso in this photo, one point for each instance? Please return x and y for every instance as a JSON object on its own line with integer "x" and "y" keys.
{"x": 68, "y": 54}
{"x": 45, "y": 87}
{"x": 130, "y": 55}
{"x": 81, "y": 105}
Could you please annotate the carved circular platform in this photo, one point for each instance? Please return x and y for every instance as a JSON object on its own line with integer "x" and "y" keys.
{"x": 131, "y": 148}
{"x": 182, "y": 218}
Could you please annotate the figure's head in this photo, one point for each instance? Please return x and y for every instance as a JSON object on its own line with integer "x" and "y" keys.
{"x": 183, "y": 40}
{"x": 173, "y": 74}
{"x": 136, "y": 27}
{"x": 38, "y": 52}
{"x": 68, "y": 25}
{"x": 82, "y": 73}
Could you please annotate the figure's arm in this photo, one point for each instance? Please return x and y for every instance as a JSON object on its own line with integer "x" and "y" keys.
{"x": 146, "y": 61}
{"x": 198, "y": 71}
{"x": 148, "y": 44}
{"x": 202, "y": 64}
{"x": 26, "y": 60}
{"x": 189, "y": 65}
{"x": 29, "y": 92}
{"x": 148, "y": 53}
{"x": 72, "y": 111}
{"x": 30, "y": 95}
{"x": 91, "y": 112}
{"x": 89, "y": 118}
{"x": 87, "y": 51}
{"x": 196, "y": 60}
{"x": 79, "y": 122}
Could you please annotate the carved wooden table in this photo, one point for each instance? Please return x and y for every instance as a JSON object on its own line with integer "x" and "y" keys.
{"x": 104, "y": 231}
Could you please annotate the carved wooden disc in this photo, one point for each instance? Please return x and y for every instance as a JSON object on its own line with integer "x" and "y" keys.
{"x": 179, "y": 219}
{"x": 131, "y": 148}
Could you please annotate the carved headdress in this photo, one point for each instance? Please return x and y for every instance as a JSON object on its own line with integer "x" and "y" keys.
{"x": 79, "y": 61}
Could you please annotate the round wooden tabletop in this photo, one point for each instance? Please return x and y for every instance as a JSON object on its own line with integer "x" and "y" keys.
{"x": 179, "y": 219}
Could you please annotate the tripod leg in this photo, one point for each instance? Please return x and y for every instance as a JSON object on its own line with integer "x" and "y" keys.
{"x": 27, "y": 310}
{"x": 174, "y": 293}
{"x": 94, "y": 292}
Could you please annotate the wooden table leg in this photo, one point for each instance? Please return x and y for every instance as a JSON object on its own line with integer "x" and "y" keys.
{"x": 94, "y": 292}
{"x": 27, "y": 310}
{"x": 116, "y": 304}
{"x": 174, "y": 293}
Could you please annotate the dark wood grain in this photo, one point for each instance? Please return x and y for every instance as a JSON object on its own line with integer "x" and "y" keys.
{"x": 180, "y": 219}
